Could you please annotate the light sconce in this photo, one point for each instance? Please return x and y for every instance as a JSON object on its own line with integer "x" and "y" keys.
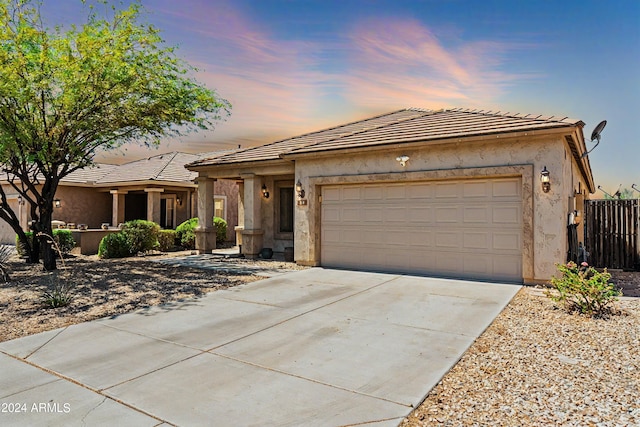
{"x": 545, "y": 180}
{"x": 265, "y": 192}
{"x": 178, "y": 201}
{"x": 57, "y": 203}
{"x": 20, "y": 201}
{"x": 577, "y": 217}
{"x": 299, "y": 190}
{"x": 403, "y": 160}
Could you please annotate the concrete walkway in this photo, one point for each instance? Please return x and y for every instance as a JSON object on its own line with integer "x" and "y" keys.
{"x": 314, "y": 347}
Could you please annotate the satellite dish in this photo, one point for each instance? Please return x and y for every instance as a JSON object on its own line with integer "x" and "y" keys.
{"x": 595, "y": 135}
{"x": 598, "y": 130}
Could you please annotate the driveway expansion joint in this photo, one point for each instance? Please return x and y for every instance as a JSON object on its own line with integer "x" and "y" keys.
{"x": 60, "y": 376}
{"x": 278, "y": 371}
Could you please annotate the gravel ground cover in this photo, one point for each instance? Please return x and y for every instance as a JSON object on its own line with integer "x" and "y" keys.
{"x": 536, "y": 365}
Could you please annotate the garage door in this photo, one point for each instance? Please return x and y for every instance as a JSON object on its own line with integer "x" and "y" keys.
{"x": 468, "y": 228}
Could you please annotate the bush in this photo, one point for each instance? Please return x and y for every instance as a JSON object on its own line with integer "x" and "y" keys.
{"x": 221, "y": 230}
{"x": 166, "y": 240}
{"x": 187, "y": 235}
{"x": 63, "y": 238}
{"x": 19, "y": 247}
{"x": 141, "y": 234}
{"x": 65, "y": 241}
{"x": 114, "y": 245}
{"x": 584, "y": 289}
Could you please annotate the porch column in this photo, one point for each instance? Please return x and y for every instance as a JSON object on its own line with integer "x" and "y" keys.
{"x": 153, "y": 204}
{"x": 206, "y": 231}
{"x": 117, "y": 207}
{"x": 253, "y": 233}
{"x": 240, "y": 227}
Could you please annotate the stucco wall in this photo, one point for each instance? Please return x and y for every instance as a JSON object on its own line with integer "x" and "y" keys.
{"x": 83, "y": 206}
{"x": 548, "y": 238}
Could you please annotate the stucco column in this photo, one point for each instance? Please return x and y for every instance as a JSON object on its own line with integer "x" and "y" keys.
{"x": 153, "y": 204}
{"x": 240, "y": 227}
{"x": 117, "y": 206}
{"x": 253, "y": 232}
{"x": 206, "y": 230}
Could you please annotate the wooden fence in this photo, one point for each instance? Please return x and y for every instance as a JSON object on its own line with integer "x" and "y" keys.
{"x": 612, "y": 233}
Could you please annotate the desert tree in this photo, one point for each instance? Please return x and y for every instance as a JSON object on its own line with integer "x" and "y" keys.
{"x": 68, "y": 92}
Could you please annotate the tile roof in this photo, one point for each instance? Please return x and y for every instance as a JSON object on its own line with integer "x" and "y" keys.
{"x": 274, "y": 150}
{"x": 408, "y": 125}
{"x": 90, "y": 174}
{"x": 443, "y": 124}
{"x": 168, "y": 167}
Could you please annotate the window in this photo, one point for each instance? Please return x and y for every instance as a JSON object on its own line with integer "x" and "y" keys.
{"x": 286, "y": 210}
{"x": 220, "y": 207}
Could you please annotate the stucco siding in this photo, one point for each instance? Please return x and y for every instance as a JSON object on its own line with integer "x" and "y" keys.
{"x": 547, "y": 242}
{"x": 83, "y": 206}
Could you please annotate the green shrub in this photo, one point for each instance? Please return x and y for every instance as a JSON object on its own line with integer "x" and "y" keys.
{"x": 186, "y": 233}
{"x": 19, "y": 247}
{"x": 114, "y": 245}
{"x": 166, "y": 240}
{"x": 221, "y": 230}
{"x": 63, "y": 238}
{"x": 141, "y": 234}
{"x": 584, "y": 289}
{"x": 65, "y": 241}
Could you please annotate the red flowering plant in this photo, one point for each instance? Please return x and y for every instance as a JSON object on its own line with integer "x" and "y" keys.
{"x": 583, "y": 288}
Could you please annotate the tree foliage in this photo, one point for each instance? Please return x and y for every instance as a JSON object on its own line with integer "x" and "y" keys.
{"x": 621, "y": 194}
{"x": 67, "y": 92}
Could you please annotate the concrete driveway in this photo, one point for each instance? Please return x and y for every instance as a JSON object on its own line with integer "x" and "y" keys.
{"x": 313, "y": 347}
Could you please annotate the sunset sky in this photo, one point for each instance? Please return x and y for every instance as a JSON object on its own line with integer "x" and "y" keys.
{"x": 290, "y": 67}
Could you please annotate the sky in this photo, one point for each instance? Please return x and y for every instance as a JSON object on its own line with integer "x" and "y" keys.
{"x": 290, "y": 67}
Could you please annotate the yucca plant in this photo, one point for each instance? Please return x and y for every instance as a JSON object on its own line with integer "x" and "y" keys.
{"x": 60, "y": 292}
{"x": 5, "y": 253}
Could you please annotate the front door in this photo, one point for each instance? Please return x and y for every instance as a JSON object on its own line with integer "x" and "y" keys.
{"x": 168, "y": 212}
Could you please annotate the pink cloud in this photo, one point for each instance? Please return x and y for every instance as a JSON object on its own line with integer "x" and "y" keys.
{"x": 284, "y": 87}
{"x": 404, "y": 60}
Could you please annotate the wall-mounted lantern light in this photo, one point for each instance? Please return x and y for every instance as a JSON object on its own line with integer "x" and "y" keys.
{"x": 403, "y": 160}
{"x": 299, "y": 190}
{"x": 265, "y": 192}
{"x": 577, "y": 217}
{"x": 545, "y": 180}
{"x": 57, "y": 203}
{"x": 20, "y": 201}
{"x": 178, "y": 201}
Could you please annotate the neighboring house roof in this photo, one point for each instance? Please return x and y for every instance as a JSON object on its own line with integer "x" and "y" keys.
{"x": 401, "y": 126}
{"x": 167, "y": 167}
{"x": 90, "y": 174}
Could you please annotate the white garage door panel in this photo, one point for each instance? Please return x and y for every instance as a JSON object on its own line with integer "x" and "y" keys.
{"x": 469, "y": 228}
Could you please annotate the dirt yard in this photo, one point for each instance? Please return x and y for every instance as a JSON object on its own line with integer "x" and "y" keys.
{"x": 104, "y": 288}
